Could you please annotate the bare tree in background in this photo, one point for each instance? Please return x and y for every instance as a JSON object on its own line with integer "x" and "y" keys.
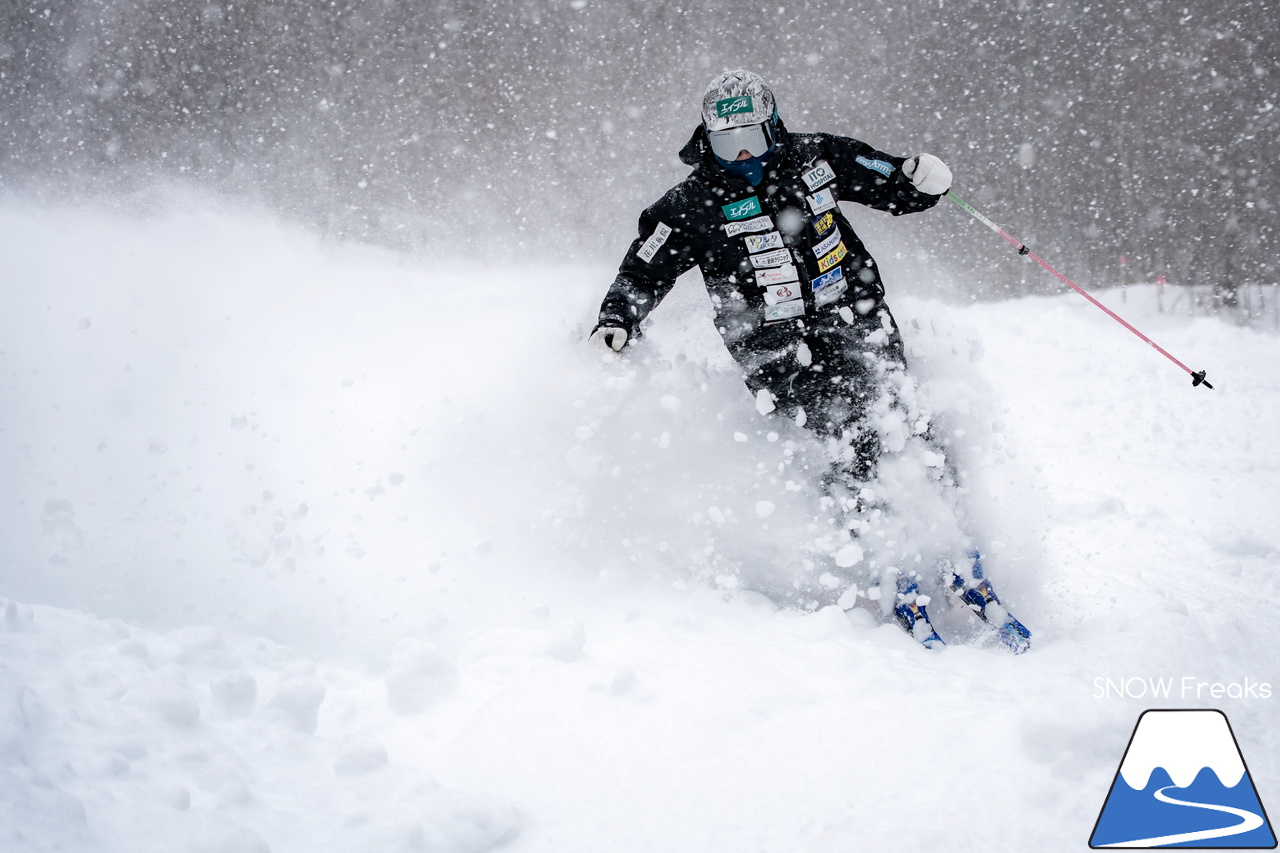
{"x": 1147, "y": 129}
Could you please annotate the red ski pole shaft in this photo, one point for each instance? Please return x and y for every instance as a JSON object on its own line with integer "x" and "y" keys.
{"x": 1197, "y": 377}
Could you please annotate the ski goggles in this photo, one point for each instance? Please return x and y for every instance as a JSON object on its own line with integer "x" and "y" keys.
{"x": 755, "y": 139}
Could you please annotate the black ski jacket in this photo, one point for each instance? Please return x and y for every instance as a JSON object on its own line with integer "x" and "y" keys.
{"x": 777, "y": 259}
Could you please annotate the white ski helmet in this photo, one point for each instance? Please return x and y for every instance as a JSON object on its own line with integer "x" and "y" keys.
{"x": 736, "y": 98}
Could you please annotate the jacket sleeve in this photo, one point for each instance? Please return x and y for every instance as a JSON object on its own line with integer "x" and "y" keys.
{"x": 874, "y": 178}
{"x": 659, "y": 255}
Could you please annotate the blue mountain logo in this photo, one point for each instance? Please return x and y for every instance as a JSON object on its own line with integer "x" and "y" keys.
{"x": 1183, "y": 783}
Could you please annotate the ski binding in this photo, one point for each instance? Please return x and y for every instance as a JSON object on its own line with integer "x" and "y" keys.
{"x": 981, "y": 598}
{"x": 911, "y": 614}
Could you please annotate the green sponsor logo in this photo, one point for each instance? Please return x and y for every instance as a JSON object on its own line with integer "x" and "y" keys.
{"x": 742, "y": 209}
{"x": 734, "y": 106}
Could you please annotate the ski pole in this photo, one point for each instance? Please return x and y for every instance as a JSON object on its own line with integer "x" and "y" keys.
{"x": 1197, "y": 377}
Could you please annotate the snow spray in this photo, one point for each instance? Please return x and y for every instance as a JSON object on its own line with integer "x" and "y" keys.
{"x": 1197, "y": 377}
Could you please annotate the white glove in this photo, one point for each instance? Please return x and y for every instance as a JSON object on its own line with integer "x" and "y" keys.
{"x": 929, "y": 174}
{"x": 610, "y": 336}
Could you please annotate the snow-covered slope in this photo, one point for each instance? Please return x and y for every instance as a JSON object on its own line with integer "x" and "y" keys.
{"x": 305, "y": 548}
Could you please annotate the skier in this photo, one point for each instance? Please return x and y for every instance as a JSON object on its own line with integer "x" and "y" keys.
{"x": 798, "y": 299}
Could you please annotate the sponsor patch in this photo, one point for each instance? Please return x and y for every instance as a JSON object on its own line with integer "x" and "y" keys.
{"x": 779, "y": 275}
{"x": 654, "y": 243}
{"x": 741, "y": 209}
{"x": 827, "y": 288}
{"x": 880, "y": 166}
{"x": 760, "y": 223}
{"x": 826, "y": 245}
{"x": 830, "y": 294}
{"x": 735, "y": 106}
{"x": 828, "y": 279}
{"x": 824, "y": 223}
{"x": 821, "y": 201}
{"x": 828, "y": 261}
{"x": 764, "y": 242}
{"x": 776, "y": 258}
{"x": 783, "y": 310}
{"x": 819, "y": 176}
{"x": 781, "y": 293}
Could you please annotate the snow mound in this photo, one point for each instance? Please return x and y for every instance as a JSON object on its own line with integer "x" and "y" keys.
{"x": 309, "y": 547}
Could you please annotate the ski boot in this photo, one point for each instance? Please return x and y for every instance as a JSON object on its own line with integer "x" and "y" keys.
{"x": 911, "y": 614}
{"x": 976, "y": 592}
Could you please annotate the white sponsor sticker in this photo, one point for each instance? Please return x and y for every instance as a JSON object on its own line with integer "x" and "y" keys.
{"x": 781, "y": 293}
{"x": 781, "y": 275}
{"x": 783, "y": 310}
{"x": 654, "y": 243}
{"x": 749, "y": 226}
{"x": 819, "y": 175}
{"x": 763, "y": 242}
{"x": 826, "y": 245}
{"x": 776, "y": 258}
{"x": 830, "y": 293}
{"x": 822, "y": 200}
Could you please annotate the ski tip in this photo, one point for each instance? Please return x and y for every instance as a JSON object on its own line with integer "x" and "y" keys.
{"x": 1018, "y": 647}
{"x": 1015, "y": 635}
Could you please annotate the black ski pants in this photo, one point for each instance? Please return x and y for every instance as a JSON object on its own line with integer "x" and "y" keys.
{"x": 834, "y": 375}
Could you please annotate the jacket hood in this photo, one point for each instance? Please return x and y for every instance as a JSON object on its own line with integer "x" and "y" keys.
{"x": 694, "y": 150}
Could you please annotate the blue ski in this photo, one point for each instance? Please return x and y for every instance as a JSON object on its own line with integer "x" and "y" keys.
{"x": 910, "y": 612}
{"x": 976, "y": 592}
